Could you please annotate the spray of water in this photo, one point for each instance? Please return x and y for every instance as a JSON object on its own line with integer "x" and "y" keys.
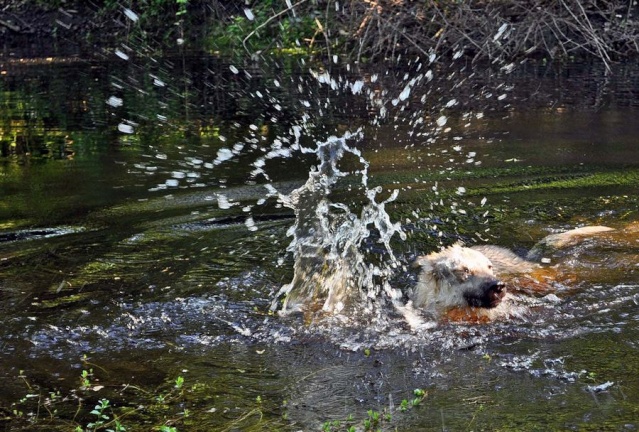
{"x": 334, "y": 269}
{"x": 331, "y": 270}
{"x": 332, "y": 239}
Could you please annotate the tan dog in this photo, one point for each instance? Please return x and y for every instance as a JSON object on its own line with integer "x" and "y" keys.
{"x": 463, "y": 283}
{"x": 456, "y": 277}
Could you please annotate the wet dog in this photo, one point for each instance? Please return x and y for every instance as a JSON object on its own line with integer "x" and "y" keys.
{"x": 464, "y": 283}
{"x": 457, "y": 276}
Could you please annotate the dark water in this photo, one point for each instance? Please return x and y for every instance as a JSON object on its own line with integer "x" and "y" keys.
{"x": 119, "y": 257}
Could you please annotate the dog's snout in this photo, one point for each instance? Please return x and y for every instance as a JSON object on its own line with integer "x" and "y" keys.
{"x": 493, "y": 285}
{"x": 489, "y": 295}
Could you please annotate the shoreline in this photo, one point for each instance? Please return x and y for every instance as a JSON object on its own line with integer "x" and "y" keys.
{"x": 360, "y": 31}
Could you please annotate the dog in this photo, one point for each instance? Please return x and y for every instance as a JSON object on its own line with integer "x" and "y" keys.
{"x": 456, "y": 278}
{"x": 467, "y": 283}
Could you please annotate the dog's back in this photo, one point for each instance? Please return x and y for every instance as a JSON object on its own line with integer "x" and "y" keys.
{"x": 505, "y": 261}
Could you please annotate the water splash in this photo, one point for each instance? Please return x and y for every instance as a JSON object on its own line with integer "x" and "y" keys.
{"x": 336, "y": 264}
{"x": 331, "y": 270}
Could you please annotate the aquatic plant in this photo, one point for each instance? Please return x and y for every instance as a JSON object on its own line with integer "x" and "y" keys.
{"x": 375, "y": 420}
{"x": 102, "y": 420}
{"x": 105, "y": 415}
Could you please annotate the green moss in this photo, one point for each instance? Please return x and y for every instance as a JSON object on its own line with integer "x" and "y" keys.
{"x": 626, "y": 177}
{"x": 66, "y": 300}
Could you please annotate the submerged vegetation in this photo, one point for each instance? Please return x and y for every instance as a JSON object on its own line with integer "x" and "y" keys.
{"x": 375, "y": 420}
{"x": 98, "y": 405}
{"x": 171, "y": 407}
{"x": 51, "y": 409}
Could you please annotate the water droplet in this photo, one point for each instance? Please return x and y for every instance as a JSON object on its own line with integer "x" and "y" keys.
{"x": 250, "y": 224}
{"x": 121, "y": 54}
{"x": 131, "y": 15}
{"x": 223, "y": 154}
{"x": 223, "y": 202}
{"x": 500, "y": 32}
{"x": 429, "y": 75}
{"x": 508, "y": 68}
{"x": 405, "y": 93}
{"x": 125, "y": 128}
{"x": 115, "y": 101}
{"x": 357, "y": 86}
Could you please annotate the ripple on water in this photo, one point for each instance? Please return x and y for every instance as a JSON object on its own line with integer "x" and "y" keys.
{"x": 39, "y": 233}
{"x": 202, "y": 322}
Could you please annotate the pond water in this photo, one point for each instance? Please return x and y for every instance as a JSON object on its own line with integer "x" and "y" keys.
{"x": 142, "y": 240}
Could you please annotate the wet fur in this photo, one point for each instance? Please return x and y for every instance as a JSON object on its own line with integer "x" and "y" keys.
{"x": 462, "y": 282}
{"x": 456, "y": 276}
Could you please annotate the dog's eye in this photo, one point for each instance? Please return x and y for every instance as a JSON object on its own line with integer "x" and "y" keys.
{"x": 490, "y": 267}
{"x": 466, "y": 270}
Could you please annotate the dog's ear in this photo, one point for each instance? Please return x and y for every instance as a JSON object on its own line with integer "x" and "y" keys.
{"x": 441, "y": 269}
{"x": 429, "y": 264}
{"x": 421, "y": 261}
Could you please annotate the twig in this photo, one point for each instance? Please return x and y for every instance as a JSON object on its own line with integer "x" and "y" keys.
{"x": 589, "y": 30}
{"x": 268, "y": 21}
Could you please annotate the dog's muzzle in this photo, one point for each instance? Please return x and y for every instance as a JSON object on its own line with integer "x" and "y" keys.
{"x": 489, "y": 294}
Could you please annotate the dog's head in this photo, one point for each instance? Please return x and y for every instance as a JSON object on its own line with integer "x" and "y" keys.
{"x": 468, "y": 274}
